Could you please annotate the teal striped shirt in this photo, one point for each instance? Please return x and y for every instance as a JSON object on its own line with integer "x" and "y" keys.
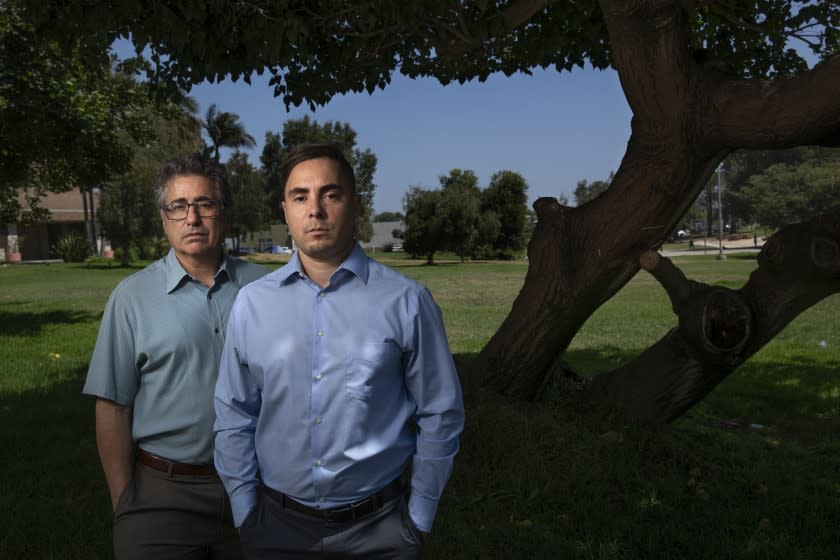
{"x": 158, "y": 350}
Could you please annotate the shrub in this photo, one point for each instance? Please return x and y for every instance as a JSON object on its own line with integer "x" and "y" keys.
{"x": 72, "y": 248}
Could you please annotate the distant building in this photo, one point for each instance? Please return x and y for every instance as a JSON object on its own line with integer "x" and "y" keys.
{"x": 383, "y": 237}
{"x": 67, "y": 215}
{"x": 263, "y": 241}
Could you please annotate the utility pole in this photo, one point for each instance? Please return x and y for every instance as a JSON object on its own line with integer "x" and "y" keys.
{"x": 721, "y": 256}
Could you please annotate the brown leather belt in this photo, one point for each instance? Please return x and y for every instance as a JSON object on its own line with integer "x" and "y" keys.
{"x": 341, "y": 513}
{"x": 173, "y": 467}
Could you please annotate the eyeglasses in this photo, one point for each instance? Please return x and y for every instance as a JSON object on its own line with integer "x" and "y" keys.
{"x": 208, "y": 208}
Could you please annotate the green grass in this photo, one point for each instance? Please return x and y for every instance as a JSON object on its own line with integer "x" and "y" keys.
{"x": 535, "y": 481}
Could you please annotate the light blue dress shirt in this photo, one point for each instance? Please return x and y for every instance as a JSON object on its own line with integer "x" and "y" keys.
{"x": 325, "y": 394}
{"x": 158, "y": 350}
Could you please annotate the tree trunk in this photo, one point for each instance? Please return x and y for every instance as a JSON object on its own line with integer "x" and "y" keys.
{"x": 687, "y": 116}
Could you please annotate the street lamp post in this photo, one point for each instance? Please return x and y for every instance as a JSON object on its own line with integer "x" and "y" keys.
{"x": 720, "y": 213}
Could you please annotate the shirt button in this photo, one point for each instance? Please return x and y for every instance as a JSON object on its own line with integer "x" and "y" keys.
{"x": 217, "y": 330}
{"x": 320, "y": 333}
{"x": 318, "y": 377}
{"x": 318, "y": 462}
{"x": 322, "y": 499}
{"x": 318, "y": 420}
{"x": 322, "y": 294}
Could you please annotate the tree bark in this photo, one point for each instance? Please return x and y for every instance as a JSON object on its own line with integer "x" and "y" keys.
{"x": 687, "y": 116}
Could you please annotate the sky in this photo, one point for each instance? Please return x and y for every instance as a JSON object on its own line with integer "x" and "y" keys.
{"x": 553, "y": 128}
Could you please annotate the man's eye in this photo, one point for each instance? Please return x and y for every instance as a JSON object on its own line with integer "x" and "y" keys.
{"x": 177, "y": 206}
{"x": 206, "y": 204}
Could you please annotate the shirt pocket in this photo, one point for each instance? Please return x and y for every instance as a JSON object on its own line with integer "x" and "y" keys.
{"x": 371, "y": 367}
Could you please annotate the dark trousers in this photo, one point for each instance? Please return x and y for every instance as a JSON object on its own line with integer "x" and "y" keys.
{"x": 273, "y": 532}
{"x": 167, "y": 517}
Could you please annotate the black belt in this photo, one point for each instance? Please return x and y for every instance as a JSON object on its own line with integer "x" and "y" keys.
{"x": 341, "y": 513}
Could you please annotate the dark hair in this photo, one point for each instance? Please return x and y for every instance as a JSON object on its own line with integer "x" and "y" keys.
{"x": 193, "y": 164}
{"x": 305, "y": 152}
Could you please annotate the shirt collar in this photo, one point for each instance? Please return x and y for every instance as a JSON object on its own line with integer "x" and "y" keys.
{"x": 355, "y": 263}
{"x": 175, "y": 273}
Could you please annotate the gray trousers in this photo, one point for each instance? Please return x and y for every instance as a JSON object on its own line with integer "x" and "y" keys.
{"x": 168, "y": 517}
{"x": 273, "y": 532}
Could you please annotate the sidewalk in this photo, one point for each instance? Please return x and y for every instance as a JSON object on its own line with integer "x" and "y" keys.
{"x": 711, "y": 246}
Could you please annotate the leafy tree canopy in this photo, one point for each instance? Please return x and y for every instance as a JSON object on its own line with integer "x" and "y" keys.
{"x": 316, "y": 51}
{"x": 64, "y": 122}
{"x": 785, "y": 193}
{"x": 462, "y": 218}
{"x": 388, "y": 217}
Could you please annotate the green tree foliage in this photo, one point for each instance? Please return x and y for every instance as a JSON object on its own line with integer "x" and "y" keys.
{"x": 128, "y": 213}
{"x": 586, "y": 191}
{"x": 460, "y": 179}
{"x": 459, "y": 208}
{"x": 315, "y": 52}
{"x": 423, "y": 232}
{"x": 225, "y": 131}
{"x": 466, "y": 220}
{"x": 506, "y": 197}
{"x": 249, "y": 211}
{"x": 388, "y": 217}
{"x": 65, "y": 121}
{"x": 308, "y": 131}
{"x": 786, "y": 193}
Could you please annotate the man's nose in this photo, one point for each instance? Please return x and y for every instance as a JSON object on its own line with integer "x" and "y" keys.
{"x": 316, "y": 208}
{"x": 192, "y": 215}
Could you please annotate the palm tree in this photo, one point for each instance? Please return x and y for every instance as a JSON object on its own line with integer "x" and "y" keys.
{"x": 224, "y": 129}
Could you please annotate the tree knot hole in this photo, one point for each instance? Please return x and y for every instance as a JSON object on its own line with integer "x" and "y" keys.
{"x": 726, "y": 322}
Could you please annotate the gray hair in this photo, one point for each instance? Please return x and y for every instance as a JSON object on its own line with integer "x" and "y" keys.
{"x": 193, "y": 164}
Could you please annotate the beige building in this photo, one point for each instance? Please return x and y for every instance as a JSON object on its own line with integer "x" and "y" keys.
{"x": 67, "y": 215}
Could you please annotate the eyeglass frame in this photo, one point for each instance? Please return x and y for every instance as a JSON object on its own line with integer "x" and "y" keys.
{"x": 196, "y": 205}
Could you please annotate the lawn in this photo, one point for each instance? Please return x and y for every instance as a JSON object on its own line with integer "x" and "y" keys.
{"x": 752, "y": 472}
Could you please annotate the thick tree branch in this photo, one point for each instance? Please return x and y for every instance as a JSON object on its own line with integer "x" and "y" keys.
{"x": 779, "y": 113}
{"x": 657, "y": 73}
{"x": 720, "y": 328}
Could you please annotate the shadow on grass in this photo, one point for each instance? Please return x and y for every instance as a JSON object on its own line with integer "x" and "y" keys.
{"x": 543, "y": 482}
{"x": 53, "y": 498}
{"x": 26, "y": 323}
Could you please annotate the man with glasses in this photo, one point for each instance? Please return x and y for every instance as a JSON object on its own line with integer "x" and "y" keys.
{"x": 153, "y": 371}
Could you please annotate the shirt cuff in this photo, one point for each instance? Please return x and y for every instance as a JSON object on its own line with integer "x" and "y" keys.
{"x": 422, "y": 511}
{"x": 241, "y": 505}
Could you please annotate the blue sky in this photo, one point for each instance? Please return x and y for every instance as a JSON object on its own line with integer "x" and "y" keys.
{"x": 552, "y": 128}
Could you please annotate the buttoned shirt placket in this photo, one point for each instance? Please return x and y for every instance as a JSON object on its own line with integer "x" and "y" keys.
{"x": 318, "y": 399}
{"x": 214, "y": 314}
